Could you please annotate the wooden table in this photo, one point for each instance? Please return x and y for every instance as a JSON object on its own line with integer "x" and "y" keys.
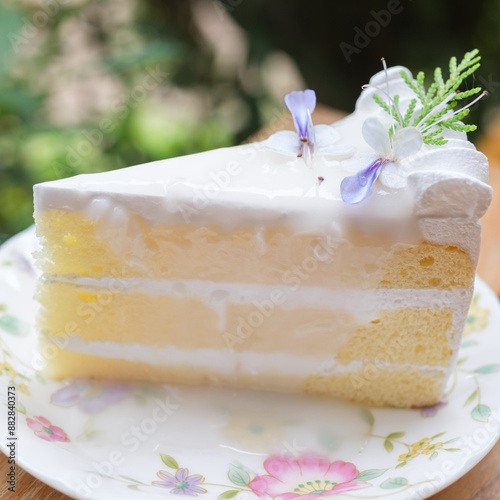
{"x": 483, "y": 481}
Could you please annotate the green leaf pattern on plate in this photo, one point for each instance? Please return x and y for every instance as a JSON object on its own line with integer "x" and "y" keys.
{"x": 228, "y": 494}
{"x": 395, "y": 482}
{"x": 169, "y": 461}
{"x": 238, "y": 476}
{"x": 366, "y": 475}
{"x": 481, "y": 413}
{"x": 14, "y": 326}
{"x": 484, "y": 370}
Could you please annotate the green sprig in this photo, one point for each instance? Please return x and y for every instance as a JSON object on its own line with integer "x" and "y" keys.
{"x": 409, "y": 112}
{"x": 437, "y": 100}
{"x": 382, "y": 103}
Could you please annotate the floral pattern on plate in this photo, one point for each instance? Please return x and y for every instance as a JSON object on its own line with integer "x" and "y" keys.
{"x": 45, "y": 430}
{"x": 305, "y": 477}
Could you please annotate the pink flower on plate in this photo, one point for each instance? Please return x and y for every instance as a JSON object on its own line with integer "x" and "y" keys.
{"x": 44, "y": 430}
{"x": 182, "y": 483}
{"x": 310, "y": 476}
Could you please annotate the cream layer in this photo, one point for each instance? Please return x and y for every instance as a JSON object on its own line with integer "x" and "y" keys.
{"x": 225, "y": 361}
{"x": 362, "y": 304}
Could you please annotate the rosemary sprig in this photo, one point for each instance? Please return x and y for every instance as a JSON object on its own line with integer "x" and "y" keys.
{"x": 437, "y": 101}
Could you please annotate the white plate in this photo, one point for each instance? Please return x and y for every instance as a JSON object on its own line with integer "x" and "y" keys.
{"x": 105, "y": 441}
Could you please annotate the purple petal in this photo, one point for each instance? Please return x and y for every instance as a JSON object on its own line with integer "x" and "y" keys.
{"x": 356, "y": 188}
{"x": 194, "y": 479}
{"x": 168, "y": 478}
{"x": 163, "y": 484}
{"x": 310, "y": 137}
{"x": 430, "y": 411}
{"x": 101, "y": 394}
{"x": 70, "y": 395}
{"x": 181, "y": 474}
{"x": 298, "y": 103}
{"x": 92, "y": 405}
{"x": 179, "y": 491}
{"x": 23, "y": 263}
{"x": 116, "y": 392}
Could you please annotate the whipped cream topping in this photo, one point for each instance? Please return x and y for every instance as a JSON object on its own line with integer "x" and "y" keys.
{"x": 446, "y": 181}
{"x": 256, "y": 185}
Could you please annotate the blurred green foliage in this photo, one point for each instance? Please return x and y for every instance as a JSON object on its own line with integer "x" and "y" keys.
{"x": 38, "y": 143}
{"x": 92, "y": 85}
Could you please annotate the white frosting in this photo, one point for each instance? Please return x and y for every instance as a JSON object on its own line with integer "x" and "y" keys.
{"x": 253, "y": 185}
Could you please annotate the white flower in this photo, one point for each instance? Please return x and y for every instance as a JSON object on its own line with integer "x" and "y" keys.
{"x": 288, "y": 143}
{"x": 387, "y": 163}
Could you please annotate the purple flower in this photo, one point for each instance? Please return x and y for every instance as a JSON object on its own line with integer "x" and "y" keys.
{"x": 24, "y": 264}
{"x": 182, "y": 483}
{"x": 309, "y": 140}
{"x": 430, "y": 411}
{"x": 301, "y": 104}
{"x": 356, "y": 188}
{"x": 387, "y": 163}
{"x": 90, "y": 396}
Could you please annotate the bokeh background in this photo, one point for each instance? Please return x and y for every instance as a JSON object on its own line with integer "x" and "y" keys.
{"x": 88, "y": 86}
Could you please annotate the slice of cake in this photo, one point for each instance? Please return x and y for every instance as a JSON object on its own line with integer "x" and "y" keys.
{"x": 337, "y": 260}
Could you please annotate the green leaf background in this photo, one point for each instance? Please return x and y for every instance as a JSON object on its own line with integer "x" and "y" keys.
{"x": 169, "y": 461}
{"x": 395, "y": 482}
